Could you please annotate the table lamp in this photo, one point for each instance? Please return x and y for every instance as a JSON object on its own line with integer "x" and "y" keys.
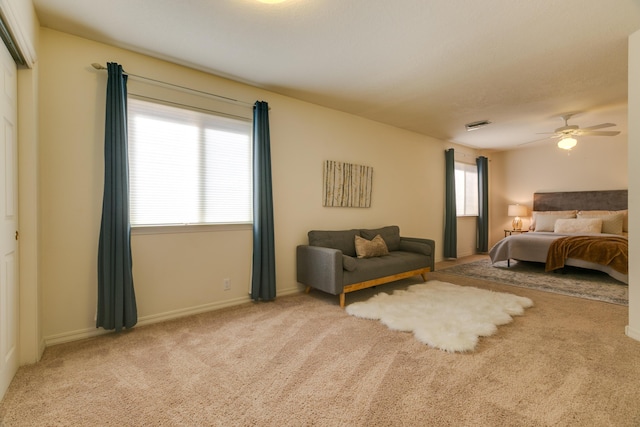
{"x": 517, "y": 211}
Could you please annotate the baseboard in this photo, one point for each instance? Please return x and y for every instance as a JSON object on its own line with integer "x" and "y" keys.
{"x": 632, "y": 333}
{"x": 41, "y": 348}
{"x": 175, "y": 314}
{"x": 290, "y": 291}
{"x": 465, "y": 254}
{"x": 155, "y": 318}
{"x": 76, "y": 335}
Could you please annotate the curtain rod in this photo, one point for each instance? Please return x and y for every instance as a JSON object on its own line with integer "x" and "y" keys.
{"x": 459, "y": 153}
{"x": 191, "y": 107}
{"x": 183, "y": 88}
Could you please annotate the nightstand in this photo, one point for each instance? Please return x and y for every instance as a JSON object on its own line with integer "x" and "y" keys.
{"x": 510, "y": 232}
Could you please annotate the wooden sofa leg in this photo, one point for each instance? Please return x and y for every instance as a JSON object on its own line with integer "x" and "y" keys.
{"x": 342, "y": 300}
{"x": 424, "y": 276}
{"x": 306, "y": 291}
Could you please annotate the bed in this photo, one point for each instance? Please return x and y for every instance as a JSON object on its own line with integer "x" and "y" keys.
{"x": 586, "y": 229}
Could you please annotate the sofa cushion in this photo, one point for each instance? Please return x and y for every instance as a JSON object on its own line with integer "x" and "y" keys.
{"x": 370, "y": 248}
{"x": 417, "y": 247}
{"x": 349, "y": 263}
{"x": 390, "y": 234}
{"x": 394, "y": 263}
{"x": 342, "y": 240}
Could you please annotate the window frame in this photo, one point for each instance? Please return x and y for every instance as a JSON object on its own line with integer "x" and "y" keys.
{"x": 466, "y": 168}
{"x": 190, "y": 227}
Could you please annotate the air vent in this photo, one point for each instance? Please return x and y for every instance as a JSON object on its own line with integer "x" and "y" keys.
{"x": 476, "y": 125}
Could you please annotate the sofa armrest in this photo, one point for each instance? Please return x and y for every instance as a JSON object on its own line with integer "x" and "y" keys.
{"x": 320, "y": 268}
{"x": 419, "y": 245}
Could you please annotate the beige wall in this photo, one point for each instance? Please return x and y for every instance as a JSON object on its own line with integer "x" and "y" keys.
{"x": 181, "y": 273}
{"x": 596, "y": 164}
{"x": 633, "y": 329}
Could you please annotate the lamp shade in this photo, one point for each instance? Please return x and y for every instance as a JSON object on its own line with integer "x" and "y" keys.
{"x": 517, "y": 210}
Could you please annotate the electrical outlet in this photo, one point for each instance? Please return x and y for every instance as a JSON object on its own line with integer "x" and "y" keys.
{"x": 226, "y": 284}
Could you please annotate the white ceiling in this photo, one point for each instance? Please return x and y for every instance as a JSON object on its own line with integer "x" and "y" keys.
{"x": 429, "y": 66}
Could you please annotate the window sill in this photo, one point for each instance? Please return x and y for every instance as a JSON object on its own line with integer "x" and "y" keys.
{"x": 189, "y": 228}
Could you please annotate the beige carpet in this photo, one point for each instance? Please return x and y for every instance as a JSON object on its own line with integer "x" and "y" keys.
{"x": 302, "y": 361}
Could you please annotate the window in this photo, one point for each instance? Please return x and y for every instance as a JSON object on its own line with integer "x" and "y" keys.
{"x": 188, "y": 167}
{"x": 466, "y": 189}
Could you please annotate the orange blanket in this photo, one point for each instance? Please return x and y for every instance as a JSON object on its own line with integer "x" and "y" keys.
{"x": 604, "y": 250}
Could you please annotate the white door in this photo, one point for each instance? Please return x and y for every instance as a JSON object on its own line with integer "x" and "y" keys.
{"x": 9, "y": 301}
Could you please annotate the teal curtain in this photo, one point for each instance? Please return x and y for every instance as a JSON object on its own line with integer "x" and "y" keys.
{"x": 263, "y": 276}
{"x": 450, "y": 216}
{"x": 116, "y": 296}
{"x": 483, "y": 204}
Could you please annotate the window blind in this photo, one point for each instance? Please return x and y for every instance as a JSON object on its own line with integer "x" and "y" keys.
{"x": 188, "y": 166}
{"x": 466, "y": 189}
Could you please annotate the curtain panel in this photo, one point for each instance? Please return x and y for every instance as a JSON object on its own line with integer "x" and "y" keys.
{"x": 482, "y": 240}
{"x": 116, "y": 295}
{"x": 450, "y": 215}
{"x": 263, "y": 275}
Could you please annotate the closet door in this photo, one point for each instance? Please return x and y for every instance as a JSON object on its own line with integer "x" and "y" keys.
{"x": 9, "y": 291}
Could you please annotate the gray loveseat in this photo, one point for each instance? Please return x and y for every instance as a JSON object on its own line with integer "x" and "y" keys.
{"x": 330, "y": 263}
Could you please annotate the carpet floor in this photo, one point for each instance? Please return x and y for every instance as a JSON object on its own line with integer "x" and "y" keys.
{"x": 572, "y": 281}
{"x": 302, "y": 361}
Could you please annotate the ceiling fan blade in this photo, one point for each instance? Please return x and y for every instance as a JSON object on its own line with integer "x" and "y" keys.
{"x": 600, "y": 132}
{"x": 538, "y": 140}
{"x": 600, "y": 126}
{"x": 573, "y": 131}
{"x": 551, "y": 134}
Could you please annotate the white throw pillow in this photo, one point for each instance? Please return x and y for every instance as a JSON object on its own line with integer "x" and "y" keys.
{"x": 546, "y": 222}
{"x": 578, "y": 226}
{"x": 612, "y": 223}
{"x": 561, "y": 214}
{"x": 624, "y": 212}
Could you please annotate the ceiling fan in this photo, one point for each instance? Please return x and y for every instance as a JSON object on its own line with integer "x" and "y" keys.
{"x": 567, "y": 133}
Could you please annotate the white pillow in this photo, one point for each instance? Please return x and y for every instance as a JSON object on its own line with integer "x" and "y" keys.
{"x": 547, "y": 221}
{"x": 613, "y": 222}
{"x": 578, "y": 226}
{"x": 538, "y": 214}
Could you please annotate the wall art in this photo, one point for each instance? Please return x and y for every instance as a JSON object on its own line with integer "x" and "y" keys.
{"x": 347, "y": 185}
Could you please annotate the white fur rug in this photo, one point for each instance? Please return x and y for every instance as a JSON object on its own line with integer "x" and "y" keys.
{"x": 441, "y": 314}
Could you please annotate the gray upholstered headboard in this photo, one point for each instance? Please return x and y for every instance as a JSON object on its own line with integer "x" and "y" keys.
{"x": 581, "y": 200}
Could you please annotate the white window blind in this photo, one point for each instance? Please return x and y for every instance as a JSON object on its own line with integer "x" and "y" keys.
{"x": 187, "y": 166}
{"x": 466, "y": 189}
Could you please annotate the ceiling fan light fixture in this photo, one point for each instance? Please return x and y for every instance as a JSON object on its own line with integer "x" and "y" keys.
{"x": 567, "y": 143}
